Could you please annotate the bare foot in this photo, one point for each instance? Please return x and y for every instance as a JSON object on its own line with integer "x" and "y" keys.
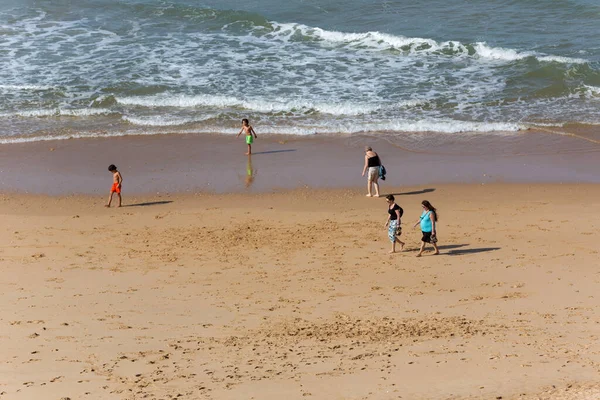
{"x": 369, "y": 195}
{"x": 106, "y": 205}
{"x": 391, "y": 251}
{"x": 246, "y": 154}
{"x": 436, "y": 253}
{"x": 119, "y": 205}
{"x": 377, "y": 195}
{"x": 419, "y": 255}
{"x": 402, "y": 246}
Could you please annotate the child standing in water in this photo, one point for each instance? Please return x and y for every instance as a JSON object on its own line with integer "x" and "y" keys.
{"x": 247, "y": 129}
{"x": 116, "y": 186}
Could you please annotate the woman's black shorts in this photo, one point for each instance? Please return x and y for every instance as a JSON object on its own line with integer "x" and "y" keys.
{"x": 426, "y": 237}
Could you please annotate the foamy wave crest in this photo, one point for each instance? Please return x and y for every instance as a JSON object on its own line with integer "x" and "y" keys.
{"x": 546, "y": 125}
{"x": 81, "y": 135}
{"x": 498, "y": 53}
{"x": 264, "y": 106}
{"x": 157, "y": 120}
{"x": 448, "y": 127}
{"x": 592, "y": 91}
{"x": 445, "y": 126}
{"x": 26, "y": 87}
{"x": 180, "y": 101}
{"x": 377, "y": 40}
{"x": 82, "y": 112}
{"x": 585, "y": 92}
{"x": 562, "y": 60}
{"x": 382, "y": 41}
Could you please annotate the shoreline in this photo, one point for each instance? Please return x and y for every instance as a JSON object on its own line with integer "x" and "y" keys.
{"x": 14, "y": 201}
{"x": 216, "y": 164}
{"x": 190, "y": 293}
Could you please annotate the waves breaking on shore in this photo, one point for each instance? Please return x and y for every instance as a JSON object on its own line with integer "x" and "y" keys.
{"x": 176, "y": 67}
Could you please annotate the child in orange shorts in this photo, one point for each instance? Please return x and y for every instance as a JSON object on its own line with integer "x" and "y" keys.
{"x": 116, "y": 186}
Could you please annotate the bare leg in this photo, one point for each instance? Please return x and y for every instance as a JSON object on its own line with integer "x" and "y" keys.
{"x": 249, "y": 150}
{"x": 401, "y": 244}
{"x": 421, "y": 249}
{"x": 393, "y": 247}
{"x": 376, "y": 184}
{"x": 436, "y": 248}
{"x": 369, "y": 186}
{"x": 109, "y": 200}
{"x": 119, "y": 195}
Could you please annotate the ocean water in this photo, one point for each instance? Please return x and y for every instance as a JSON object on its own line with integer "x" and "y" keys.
{"x": 91, "y": 68}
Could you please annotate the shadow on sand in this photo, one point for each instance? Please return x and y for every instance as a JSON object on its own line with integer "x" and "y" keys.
{"x": 273, "y": 151}
{"x": 451, "y": 246}
{"x": 150, "y": 203}
{"x": 415, "y": 192}
{"x": 460, "y": 252}
{"x": 409, "y": 193}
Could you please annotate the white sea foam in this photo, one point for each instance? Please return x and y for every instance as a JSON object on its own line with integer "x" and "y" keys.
{"x": 562, "y": 60}
{"x": 376, "y": 40}
{"x": 497, "y": 53}
{"x": 81, "y": 135}
{"x": 447, "y": 127}
{"x": 444, "y": 126}
{"x": 302, "y": 106}
{"x": 587, "y": 92}
{"x": 547, "y": 124}
{"x": 181, "y": 101}
{"x": 26, "y": 87}
{"x": 382, "y": 41}
{"x": 160, "y": 120}
{"x": 592, "y": 92}
{"x": 57, "y": 112}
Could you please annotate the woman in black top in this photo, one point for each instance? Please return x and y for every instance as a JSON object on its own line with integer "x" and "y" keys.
{"x": 372, "y": 162}
{"x": 393, "y": 222}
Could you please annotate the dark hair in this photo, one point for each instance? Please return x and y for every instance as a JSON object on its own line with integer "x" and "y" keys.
{"x": 430, "y": 208}
{"x": 245, "y": 120}
{"x": 390, "y": 197}
{"x": 112, "y": 167}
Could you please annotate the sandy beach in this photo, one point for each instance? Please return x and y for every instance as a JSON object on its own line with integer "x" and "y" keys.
{"x": 291, "y": 294}
{"x": 229, "y": 276}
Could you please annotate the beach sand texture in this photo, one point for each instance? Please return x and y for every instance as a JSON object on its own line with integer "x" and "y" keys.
{"x": 293, "y": 295}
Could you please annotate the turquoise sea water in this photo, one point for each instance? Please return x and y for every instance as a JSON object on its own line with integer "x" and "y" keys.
{"x": 109, "y": 67}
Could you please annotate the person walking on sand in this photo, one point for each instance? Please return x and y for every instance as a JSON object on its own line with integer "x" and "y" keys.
{"x": 116, "y": 186}
{"x": 393, "y": 222}
{"x": 249, "y": 131}
{"x": 428, "y": 221}
{"x": 372, "y": 164}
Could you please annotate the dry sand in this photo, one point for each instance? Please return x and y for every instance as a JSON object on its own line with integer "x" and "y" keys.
{"x": 293, "y": 295}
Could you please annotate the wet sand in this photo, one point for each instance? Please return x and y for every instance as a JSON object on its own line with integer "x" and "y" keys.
{"x": 293, "y": 295}
{"x": 211, "y": 163}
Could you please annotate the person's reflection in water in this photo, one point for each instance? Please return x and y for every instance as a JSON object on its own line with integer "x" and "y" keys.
{"x": 250, "y": 173}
